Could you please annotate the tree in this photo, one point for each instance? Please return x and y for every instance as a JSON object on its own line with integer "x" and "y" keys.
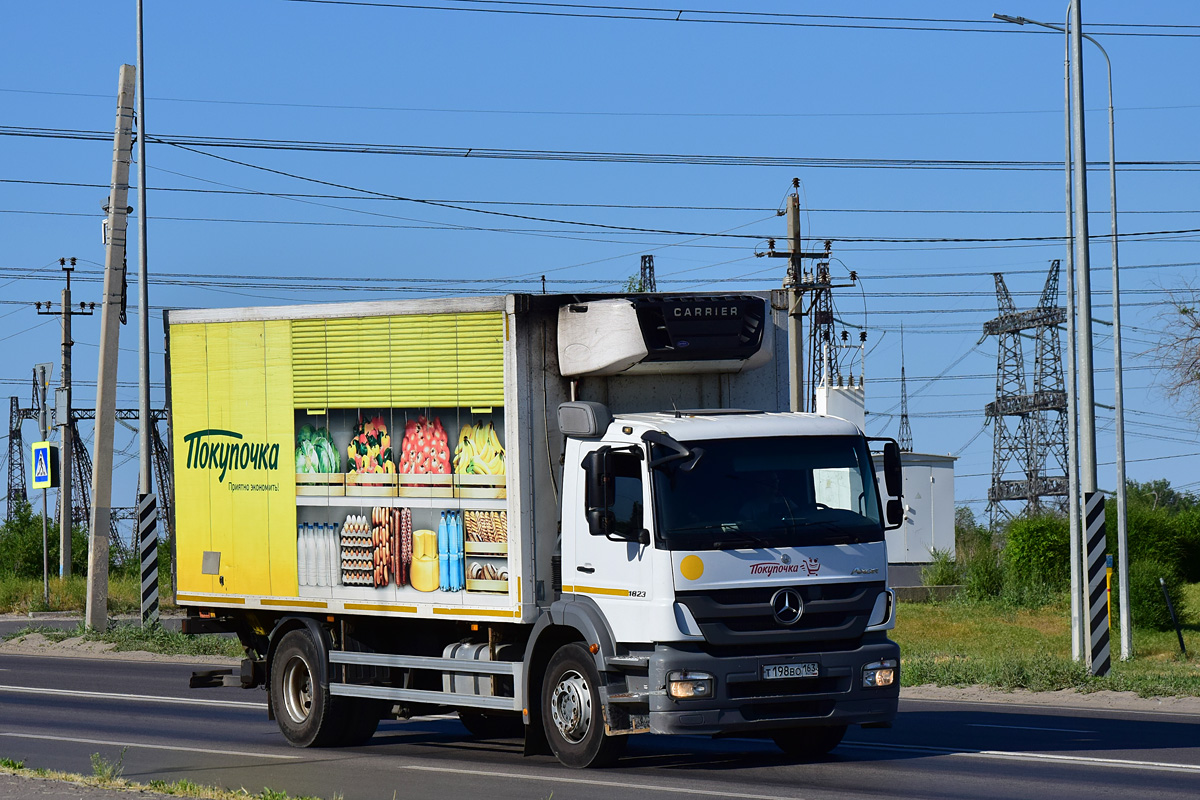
{"x": 1179, "y": 347}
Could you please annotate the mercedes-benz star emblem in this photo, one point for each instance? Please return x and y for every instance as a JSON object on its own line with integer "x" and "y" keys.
{"x": 788, "y": 606}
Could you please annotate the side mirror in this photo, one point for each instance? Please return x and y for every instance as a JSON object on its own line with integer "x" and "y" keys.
{"x": 895, "y": 513}
{"x": 893, "y": 474}
{"x": 598, "y": 491}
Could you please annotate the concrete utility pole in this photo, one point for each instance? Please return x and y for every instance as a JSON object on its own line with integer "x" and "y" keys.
{"x": 794, "y": 288}
{"x": 795, "y": 311}
{"x": 146, "y": 529}
{"x": 144, "y": 485}
{"x": 1099, "y": 660}
{"x": 96, "y": 617}
{"x": 62, "y": 417}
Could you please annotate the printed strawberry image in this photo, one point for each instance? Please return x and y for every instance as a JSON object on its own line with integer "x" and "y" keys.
{"x": 425, "y": 449}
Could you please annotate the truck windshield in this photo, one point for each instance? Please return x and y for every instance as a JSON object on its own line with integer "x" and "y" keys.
{"x": 767, "y": 492}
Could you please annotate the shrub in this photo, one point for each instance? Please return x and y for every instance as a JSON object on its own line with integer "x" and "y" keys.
{"x": 1154, "y": 534}
{"x": 1187, "y": 525}
{"x": 21, "y": 545}
{"x": 1037, "y": 555}
{"x": 977, "y": 557}
{"x": 983, "y": 576}
{"x": 942, "y": 571}
{"x": 1147, "y": 607}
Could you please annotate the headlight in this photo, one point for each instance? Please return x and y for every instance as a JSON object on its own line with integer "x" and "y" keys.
{"x": 686, "y": 684}
{"x": 880, "y": 673}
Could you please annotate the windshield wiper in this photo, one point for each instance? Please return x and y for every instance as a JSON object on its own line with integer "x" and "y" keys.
{"x": 743, "y": 541}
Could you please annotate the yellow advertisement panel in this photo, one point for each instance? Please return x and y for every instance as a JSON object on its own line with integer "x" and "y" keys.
{"x": 235, "y": 487}
{"x": 345, "y": 459}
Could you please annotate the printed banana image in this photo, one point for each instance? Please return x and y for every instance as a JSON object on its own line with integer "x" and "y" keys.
{"x": 479, "y": 451}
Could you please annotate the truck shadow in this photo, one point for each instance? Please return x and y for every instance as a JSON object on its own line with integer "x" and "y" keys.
{"x": 916, "y": 735}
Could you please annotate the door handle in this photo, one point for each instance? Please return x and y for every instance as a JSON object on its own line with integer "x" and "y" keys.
{"x": 588, "y": 568}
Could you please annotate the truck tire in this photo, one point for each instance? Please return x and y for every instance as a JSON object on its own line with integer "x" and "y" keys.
{"x": 806, "y": 744}
{"x": 486, "y": 725}
{"x": 572, "y": 714}
{"x": 307, "y": 714}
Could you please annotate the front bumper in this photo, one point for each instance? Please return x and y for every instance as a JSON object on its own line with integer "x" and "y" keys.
{"x": 743, "y": 702}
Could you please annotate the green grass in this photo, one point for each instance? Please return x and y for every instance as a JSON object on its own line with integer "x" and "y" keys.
{"x": 106, "y": 774}
{"x": 153, "y": 639}
{"x": 22, "y": 595}
{"x": 963, "y": 643}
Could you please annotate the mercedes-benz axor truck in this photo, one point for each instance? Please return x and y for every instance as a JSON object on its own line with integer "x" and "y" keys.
{"x": 568, "y": 518}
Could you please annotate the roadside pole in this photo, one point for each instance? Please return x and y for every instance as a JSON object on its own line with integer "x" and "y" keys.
{"x": 62, "y": 419}
{"x": 1099, "y": 660}
{"x": 43, "y": 380}
{"x": 147, "y": 533}
{"x": 96, "y": 617}
{"x": 795, "y": 311}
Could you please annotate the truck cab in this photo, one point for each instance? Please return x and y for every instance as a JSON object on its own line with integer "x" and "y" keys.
{"x": 738, "y": 560}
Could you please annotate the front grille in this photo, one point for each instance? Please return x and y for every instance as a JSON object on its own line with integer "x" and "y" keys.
{"x": 788, "y": 687}
{"x": 801, "y": 708}
{"x": 836, "y": 612}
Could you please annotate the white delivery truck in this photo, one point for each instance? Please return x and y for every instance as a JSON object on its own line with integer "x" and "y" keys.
{"x": 572, "y": 518}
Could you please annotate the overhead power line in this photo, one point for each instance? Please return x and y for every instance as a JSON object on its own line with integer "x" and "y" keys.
{"x": 587, "y": 156}
{"x": 713, "y": 17}
{"x": 619, "y": 206}
{"x": 557, "y": 112}
{"x": 614, "y": 229}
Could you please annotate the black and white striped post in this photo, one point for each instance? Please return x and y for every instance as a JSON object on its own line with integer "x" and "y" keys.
{"x": 1099, "y": 661}
{"x": 148, "y": 548}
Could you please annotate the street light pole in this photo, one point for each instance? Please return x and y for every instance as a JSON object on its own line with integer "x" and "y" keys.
{"x": 1118, "y": 384}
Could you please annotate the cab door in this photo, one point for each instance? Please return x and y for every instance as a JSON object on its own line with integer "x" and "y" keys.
{"x": 615, "y": 574}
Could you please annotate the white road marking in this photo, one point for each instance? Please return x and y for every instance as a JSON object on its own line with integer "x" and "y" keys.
{"x": 137, "y": 698}
{"x": 1090, "y": 761}
{"x": 641, "y": 786}
{"x": 242, "y": 753}
{"x": 1023, "y": 728}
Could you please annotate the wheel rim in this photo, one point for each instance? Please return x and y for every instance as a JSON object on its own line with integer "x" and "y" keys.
{"x": 571, "y": 706}
{"x": 297, "y": 689}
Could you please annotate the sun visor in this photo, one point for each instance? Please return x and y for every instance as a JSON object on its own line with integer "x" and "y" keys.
{"x": 661, "y": 334}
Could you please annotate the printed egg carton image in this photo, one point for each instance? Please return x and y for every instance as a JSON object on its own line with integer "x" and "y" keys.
{"x": 377, "y": 549}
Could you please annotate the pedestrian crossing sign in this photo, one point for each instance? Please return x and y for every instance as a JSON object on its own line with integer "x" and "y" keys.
{"x": 45, "y": 465}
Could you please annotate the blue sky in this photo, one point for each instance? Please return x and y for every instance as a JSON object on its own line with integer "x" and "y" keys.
{"x": 498, "y": 80}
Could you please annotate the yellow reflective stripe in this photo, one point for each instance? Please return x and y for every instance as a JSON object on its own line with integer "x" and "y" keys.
{"x": 379, "y": 607}
{"x": 295, "y": 603}
{"x": 475, "y": 612}
{"x": 597, "y": 590}
{"x": 196, "y": 598}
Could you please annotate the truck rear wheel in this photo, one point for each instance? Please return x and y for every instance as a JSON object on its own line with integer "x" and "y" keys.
{"x": 307, "y": 714}
{"x": 809, "y": 743}
{"x": 572, "y": 714}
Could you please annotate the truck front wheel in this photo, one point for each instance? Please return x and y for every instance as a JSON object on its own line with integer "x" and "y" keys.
{"x": 809, "y": 743}
{"x": 572, "y": 714}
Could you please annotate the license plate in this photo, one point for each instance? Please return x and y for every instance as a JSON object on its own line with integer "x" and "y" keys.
{"x": 805, "y": 670}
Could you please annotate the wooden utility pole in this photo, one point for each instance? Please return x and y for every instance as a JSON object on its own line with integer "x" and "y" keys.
{"x": 96, "y": 617}
{"x": 795, "y": 289}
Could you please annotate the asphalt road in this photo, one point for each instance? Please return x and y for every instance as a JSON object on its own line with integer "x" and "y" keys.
{"x": 56, "y": 713}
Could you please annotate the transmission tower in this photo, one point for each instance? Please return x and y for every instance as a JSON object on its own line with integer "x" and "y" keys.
{"x": 905, "y": 438}
{"x": 646, "y": 281}
{"x": 81, "y": 465}
{"x": 1030, "y": 427}
{"x": 16, "y": 460}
